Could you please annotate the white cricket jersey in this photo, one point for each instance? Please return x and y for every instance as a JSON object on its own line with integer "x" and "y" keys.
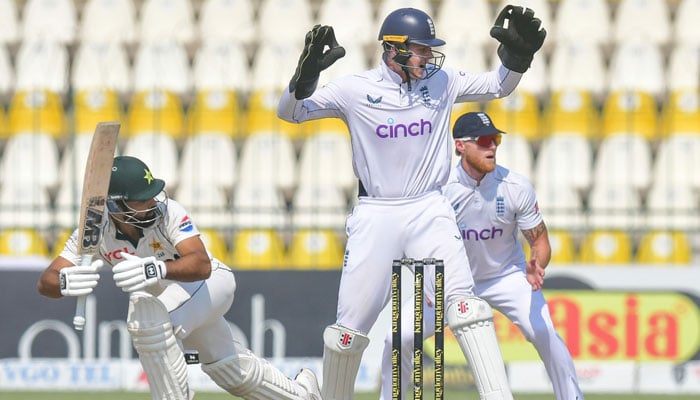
{"x": 400, "y": 139}
{"x": 158, "y": 240}
{"x": 489, "y": 218}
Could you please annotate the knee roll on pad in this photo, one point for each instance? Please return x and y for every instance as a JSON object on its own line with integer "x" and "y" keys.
{"x": 471, "y": 321}
{"x": 342, "y": 354}
{"x": 162, "y": 359}
{"x": 247, "y": 376}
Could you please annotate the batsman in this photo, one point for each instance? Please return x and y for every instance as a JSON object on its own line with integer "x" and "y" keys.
{"x": 178, "y": 293}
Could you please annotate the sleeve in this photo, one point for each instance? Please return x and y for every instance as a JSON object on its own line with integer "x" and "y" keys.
{"x": 324, "y": 103}
{"x": 70, "y": 249}
{"x": 529, "y": 211}
{"x": 179, "y": 224}
{"x": 487, "y": 85}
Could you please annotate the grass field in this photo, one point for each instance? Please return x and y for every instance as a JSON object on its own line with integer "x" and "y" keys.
{"x": 466, "y": 395}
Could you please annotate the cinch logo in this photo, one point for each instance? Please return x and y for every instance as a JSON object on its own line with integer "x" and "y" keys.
{"x": 393, "y": 130}
{"x": 484, "y": 234}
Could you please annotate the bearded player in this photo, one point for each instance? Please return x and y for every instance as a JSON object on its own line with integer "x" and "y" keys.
{"x": 179, "y": 293}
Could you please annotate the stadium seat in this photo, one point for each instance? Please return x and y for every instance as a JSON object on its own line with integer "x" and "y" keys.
{"x": 258, "y": 249}
{"x": 319, "y": 206}
{"x": 166, "y": 21}
{"x": 30, "y": 159}
{"x": 25, "y": 242}
{"x": 561, "y": 206}
{"x": 683, "y": 73}
{"x": 206, "y": 203}
{"x": 215, "y": 243}
{"x": 71, "y": 173}
{"x": 676, "y": 156}
{"x": 614, "y": 206}
{"x": 349, "y": 19}
{"x": 108, "y": 21}
{"x": 353, "y": 62}
{"x": 272, "y": 14}
{"x": 515, "y": 153}
{"x": 215, "y": 111}
{"x": 24, "y": 205}
{"x": 664, "y": 247}
{"x": 159, "y": 152}
{"x": 630, "y": 111}
{"x": 606, "y": 247}
{"x": 565, "y": 159}
{"x": 681, "y": 113}
{"x": 685, "y": 27}
{"x": 268, "y": 158}
{"x": 59, "y": 240}
{"x": 563, "y": 247}
{"x": 315, "y": 249}
{"x": 155, "y": 111}
{"x": 326, "y": 160}
{"x": 103, "y": 66}
{"x": 572, "y": 111}
{"x": 466, "y": 56}
{"x": 9, "y": 22}
{"x": 259, "y": 206}
{"x": 210, "y": 158}
{"x": 221, "y": 67}
{"x": 573, "y": 22}
{"x": 49, "y": 20}
{"x": 535, "y": 82}
{"x": 91, "y": 107}
{"x": 578, "y": 66}
{"x": 36, "y": 111}
{"x": 273, "y": 66}
{"x": 226, "y": 21}
{"x": 518, "y": 114}
{"x": 162, "y": 66}
{"x": 42, "y": 66}
{"x": 7, "y": 72}
{"x": 466, "y": 22}
{"x": 637, "y": 67}
{"x": 672, "y": 206}
{"x": 624, "y": 160}
{"x": 261, "y": 116}
{"x": 642, "y": 20}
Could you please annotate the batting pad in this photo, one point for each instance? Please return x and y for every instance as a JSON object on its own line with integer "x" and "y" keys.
{"x": 471, "y": 321}
{"x": 342, "y": 354}
{"x": 149, "y": 324}
{"x": 247, "y": 376}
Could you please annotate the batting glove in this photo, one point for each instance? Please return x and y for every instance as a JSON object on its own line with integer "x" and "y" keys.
{"x": 313, "y": 60}
{"x": 80, "y": 280}
{"x": 136, "y": 273}
{"x": 520, "y": 40}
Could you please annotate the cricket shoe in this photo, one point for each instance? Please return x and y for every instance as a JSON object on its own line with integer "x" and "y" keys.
{"x": 307, "y": 379}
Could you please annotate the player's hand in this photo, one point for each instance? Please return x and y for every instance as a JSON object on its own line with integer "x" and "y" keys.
{"x": 314, "y": 59}
{"x": 521, "y": 39}
{"x": 136, "y": 273}
{"x": 80, "y": 280}
{"x": 534, "y": 274}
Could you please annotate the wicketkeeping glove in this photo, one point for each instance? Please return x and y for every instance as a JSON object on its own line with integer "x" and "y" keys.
{"x": 80, "y": 280}
{"x": 313, "y": 60}
{"x": 136, "y": 273}
{"x": 520, "y": 40}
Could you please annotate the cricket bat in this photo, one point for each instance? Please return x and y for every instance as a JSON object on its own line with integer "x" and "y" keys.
{"x": 98, "y": 170}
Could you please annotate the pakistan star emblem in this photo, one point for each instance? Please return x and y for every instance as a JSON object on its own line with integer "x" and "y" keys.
{"x": 155, "y": 245}
{"x": 148, "y": 177}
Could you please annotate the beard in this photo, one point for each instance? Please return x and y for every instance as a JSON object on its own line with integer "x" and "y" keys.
{"x": 480, "y": 164}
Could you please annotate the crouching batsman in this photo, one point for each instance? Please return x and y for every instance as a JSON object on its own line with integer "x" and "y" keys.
{"x": 178, "y": 293}
{"x": 398, "y": 116}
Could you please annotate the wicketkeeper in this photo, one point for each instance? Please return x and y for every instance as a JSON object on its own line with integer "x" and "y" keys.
{"x": 179, "y": 293}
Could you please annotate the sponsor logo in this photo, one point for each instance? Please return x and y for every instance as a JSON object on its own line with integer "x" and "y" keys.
{"x": 372, "y": 100}
{"x": 150, "y": 269}
{"x": 345, "y": 340}
{"x": 392, "y": 129}
{"x": 483, "y": 234}
{"x": 186, "y": 224}
{"x": 116, "y": 254}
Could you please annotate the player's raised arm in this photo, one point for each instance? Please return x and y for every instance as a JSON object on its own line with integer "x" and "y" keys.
{"x": 520, "y": 35}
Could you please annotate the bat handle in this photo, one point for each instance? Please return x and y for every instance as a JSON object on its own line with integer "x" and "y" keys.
{"x": 79, "y": 318}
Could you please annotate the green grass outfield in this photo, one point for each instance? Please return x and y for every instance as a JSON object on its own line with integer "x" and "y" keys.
{"x": 364, "y": 396}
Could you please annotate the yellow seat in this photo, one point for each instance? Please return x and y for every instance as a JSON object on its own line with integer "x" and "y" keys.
{"x": 516, "y": 114}
{"x": 215, "y": 243}
{"x": 4, "y": 133}
{"x": 23, "y": 242}
{"x": 572, "y": 111}
{"x": 606, "y": 247}
{"x": 157, "y": 111}
{"x": 60, "y": 240}
{"x": 563, "y": 247}
{"x": 94, "y": 106}
{"x": 36, "y": 111}
{"x": 630, "y": 112}
{"x": 315, "y": 249}
{"x": 681, "y": 113}
{"x": 258, "y": 249}
{"x": 215, "y": 111}
{"x": 664, "y": 247}
{"x": 261, "y": 116}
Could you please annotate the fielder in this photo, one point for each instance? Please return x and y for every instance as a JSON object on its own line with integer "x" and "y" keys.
{"x": 398, "y": 116}
{"x": 492, "y": 203}
{"x": 178, "y": 293}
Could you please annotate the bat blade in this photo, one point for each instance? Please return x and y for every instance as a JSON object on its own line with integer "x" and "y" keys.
{"x": 98, "y": 170}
